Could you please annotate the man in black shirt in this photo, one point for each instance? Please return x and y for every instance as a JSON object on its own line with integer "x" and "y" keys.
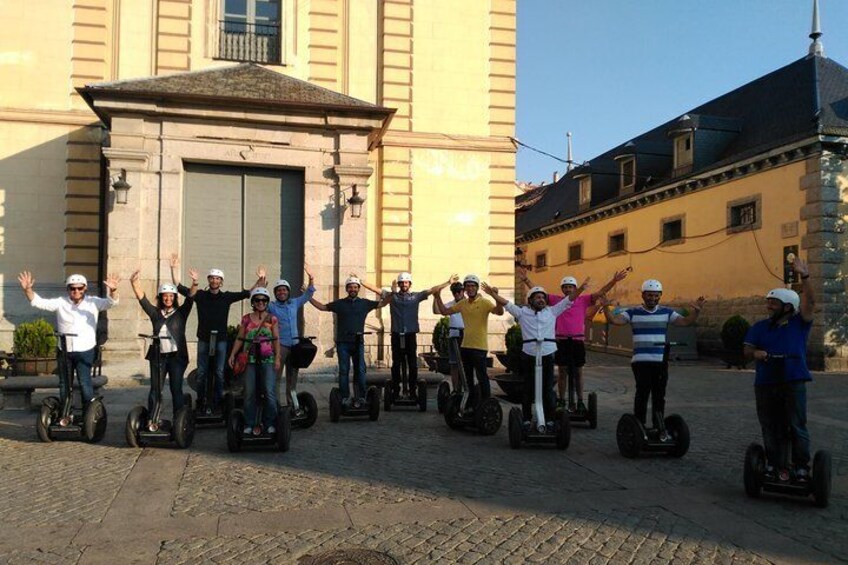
{"x": 213, "y": 311}
{"x": 351, "y": 312}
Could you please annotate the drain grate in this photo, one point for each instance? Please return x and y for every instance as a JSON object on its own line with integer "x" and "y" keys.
{"x": 354, "y": 556}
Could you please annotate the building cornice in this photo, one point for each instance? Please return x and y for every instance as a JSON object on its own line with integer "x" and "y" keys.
{"x": 425, "y": 140}
{"x": 778, "y": 157}
{"x": 54, "y": 117}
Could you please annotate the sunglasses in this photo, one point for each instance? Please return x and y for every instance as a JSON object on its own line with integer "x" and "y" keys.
{"x": 77, "y": 288}
{"x": 260, "y": 301}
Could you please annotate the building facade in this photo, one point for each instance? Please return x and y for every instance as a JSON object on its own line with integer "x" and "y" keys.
{"x": 714, "y": 203}
{"x": 244, "y": 128}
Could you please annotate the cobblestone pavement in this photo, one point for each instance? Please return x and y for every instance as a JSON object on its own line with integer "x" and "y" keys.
{"x": 420, "y": 492}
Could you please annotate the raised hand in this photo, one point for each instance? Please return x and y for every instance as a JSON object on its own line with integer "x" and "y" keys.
{"x": 620, "y": 275}
{"x": 26, "y": 280}
{"x": 261, "y": 272}
{"x": 112, "y": 281}
{"x": 134, "y": 276}
{"x": 174, "y": 261}
{"x": 699, "y": 303}
{"x": 488, "y": 289}
{"x": 801, "y": 267}
{"x": 193, "y": 274}
{"x": 454, "y": 278}
{"x": 586, "y": 283}
{"x": 307, "y": 271}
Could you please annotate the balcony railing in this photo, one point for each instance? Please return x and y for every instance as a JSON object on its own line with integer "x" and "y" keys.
{"x": 253, "y": 43}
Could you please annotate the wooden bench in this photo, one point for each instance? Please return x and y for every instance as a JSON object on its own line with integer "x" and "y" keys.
{"x": 17, "y": 391}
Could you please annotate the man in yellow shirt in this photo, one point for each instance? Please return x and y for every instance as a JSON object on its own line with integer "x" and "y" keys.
{"x": 475, "y": 311}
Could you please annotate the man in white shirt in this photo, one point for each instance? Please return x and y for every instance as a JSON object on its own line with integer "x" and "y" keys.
{"x": 537, "y": 321}
{"x": 76, "y": 314}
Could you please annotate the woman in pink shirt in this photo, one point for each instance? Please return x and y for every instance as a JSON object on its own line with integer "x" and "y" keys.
{"x": 570, "y": 328}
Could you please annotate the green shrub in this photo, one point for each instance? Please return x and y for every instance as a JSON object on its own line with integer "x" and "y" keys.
{"x": 440, "y": 336}
{"x": 513, "y": 348}
{"x": 34, "y": 339}
{"x": 733, "y": 333}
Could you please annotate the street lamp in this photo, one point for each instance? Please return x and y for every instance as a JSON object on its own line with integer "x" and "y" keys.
{"x": 356, "y": 201}
{"x": 121, "y": 187}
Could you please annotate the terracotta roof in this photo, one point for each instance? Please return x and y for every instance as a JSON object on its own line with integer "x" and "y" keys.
{"x": 245, "y": 82}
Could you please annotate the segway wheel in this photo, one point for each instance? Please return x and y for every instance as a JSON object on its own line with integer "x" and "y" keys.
{"x": 388, "y": 396}
{"x": 563, "y": 433}
{"x": 629, "y": 436}
{"x": 283, "y": 429}
{"x": 372, "y": 397}
{"x": 442, "y": 394}
{"x": 191, "y": 378}
{"x": 422, "y": 396}
{"x": 136, "y": 420}
{"x": 755, "y": 463}
{"x": 515, "y": 427}
{"x": 310, "y": 408}
{"x": 821, "y": 478}
{"x": 488, "y": 416}
{"x": 335, "y": 405}
{"x": 235, "y": 425}
{"x": 679, "y": 432}
{"x": 184, "y": 427}
{"x": 452, "y": 418}
{"x": 45, "y": 418}
{"x": 592, "y": 411}
{"x": 95, "y": 420}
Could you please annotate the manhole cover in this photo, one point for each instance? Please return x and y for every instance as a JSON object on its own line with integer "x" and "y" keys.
{"x": 353, "y": 556}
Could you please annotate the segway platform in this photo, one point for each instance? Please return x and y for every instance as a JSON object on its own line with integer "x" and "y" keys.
{"x": 369, "y": 408}
{"x": 757, "y": 481}
{"x": 634, "y": 439}
{"x": 404, "y": 400}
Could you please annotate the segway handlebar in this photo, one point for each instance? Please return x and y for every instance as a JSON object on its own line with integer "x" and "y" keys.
{"x": 670, "y": 343}
{"x": 60, "y": 334}
{"x": 260, "y": 339}
{"x": 362, "y": 333}
{"x": 306, "y": 337}
{"x": 572, "y": 336}
{"x": 150, "y": 337}
{"x": 538, "y": 340}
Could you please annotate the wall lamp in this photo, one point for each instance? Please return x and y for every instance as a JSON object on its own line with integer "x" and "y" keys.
{"x": 356, "y": 201}
{"x": 121, "y": 187}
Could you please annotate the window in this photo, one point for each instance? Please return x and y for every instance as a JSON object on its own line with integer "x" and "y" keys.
{"x": 575, "y": 252}
{"x": 617, "y": 243}
{"x": 628, "y": 174}
{"x": 541, "y": 260}
{"x": 683, "y": 154}
{"x": 672, "y": 230}
{"x": 744, "y": 214}
{"x": 249, "y": 30}
{"x": 585, "y": 191}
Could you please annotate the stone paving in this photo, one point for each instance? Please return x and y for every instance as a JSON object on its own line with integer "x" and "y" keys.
{"x": 409, "y": 486}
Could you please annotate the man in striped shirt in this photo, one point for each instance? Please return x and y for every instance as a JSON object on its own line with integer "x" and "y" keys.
{"x": 650, "y": 323}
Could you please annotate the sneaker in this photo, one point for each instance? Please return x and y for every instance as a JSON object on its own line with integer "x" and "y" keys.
{"x": 271, "y": 430}
{"x": 248, "y": 430}
{"x": 581, "y": 407}
{"x": 346, "y": 402}
{"x": 664, "y": 436}
{"x": 560, "y": 404}
{"x": 783, "y": 475}
{"x": 802, "y": 475}
{"x": 527, "y": 426}
{"x": 769, "y": 474}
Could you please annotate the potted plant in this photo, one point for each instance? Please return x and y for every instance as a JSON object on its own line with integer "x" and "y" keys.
{"x": 733, "y": 339}
{"x": 34, "y": 348}
{"x": 437, "y": 359}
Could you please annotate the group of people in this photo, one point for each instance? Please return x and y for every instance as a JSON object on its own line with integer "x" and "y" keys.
{"x": 270, "y": 331}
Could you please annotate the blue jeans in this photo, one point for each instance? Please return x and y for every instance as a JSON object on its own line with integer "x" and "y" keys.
{"x": 782, "y": 411}
{"x": 203, "y": 369}
{"x": 269, "y": 382}
{"x": 81, "y": 363}
{"x": 174, "y": 368}
{"x": 345, "y": 351}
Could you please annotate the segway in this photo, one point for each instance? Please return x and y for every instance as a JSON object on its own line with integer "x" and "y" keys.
{"x": 205, "y": 415}
{"x": 486, "y": 416}
{"x": 538, "y": 431}
{"x": 392, "y": 397}
{"x": 590, "y": 414}
{"x": 357, "y": 407}
{"x": 304, "y": 409}
{"x": 259, "y": 437}
{"x": 61, "y": 420}
{"x": 445, "y": 387}
{"x": 143, "y": 428}
{"x": 758, "y": 480}
{"x": 634, "y": 438}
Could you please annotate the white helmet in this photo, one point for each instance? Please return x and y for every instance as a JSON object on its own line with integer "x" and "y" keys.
{"x": 260, "y": 291}
{"x": 786, "y": 296}
{"x": 652, "y": 285}
{"x": 282, "y": 282}
{"x": 216, "y": 273}
{"x": 76, "y": 279}
{"x": 536, "y": 289}
{"x": 471, "y": 279}
{"x": 568, "y": 280}
{"x": 167, "y": 288}
{"x": 353, "y": 280}
{"x": 404, "y": 277}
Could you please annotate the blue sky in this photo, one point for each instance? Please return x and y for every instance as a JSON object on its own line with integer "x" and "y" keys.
{"x": 608, "y": 70}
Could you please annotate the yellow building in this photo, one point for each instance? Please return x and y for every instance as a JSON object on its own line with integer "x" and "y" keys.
{"x": 245, "y": 128}
{"x": 711, "y": 203}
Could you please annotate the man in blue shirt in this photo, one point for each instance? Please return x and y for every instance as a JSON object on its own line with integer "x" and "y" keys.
{"x": 650, "y": 323}
{"x": 779, "y": 346}
{"x": 351, "y": 312}
{"x": 285, "y": 309}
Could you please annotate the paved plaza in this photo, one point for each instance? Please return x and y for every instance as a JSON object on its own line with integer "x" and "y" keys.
{"x": 411, "y": 488}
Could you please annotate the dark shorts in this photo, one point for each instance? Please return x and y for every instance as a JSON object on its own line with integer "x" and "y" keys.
{"x": 573, "y": 349}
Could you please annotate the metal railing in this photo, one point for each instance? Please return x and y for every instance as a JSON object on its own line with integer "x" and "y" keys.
{"x": 253, "y": 43}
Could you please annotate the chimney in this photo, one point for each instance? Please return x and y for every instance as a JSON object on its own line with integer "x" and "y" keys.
{"x": 556, "y": 176}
